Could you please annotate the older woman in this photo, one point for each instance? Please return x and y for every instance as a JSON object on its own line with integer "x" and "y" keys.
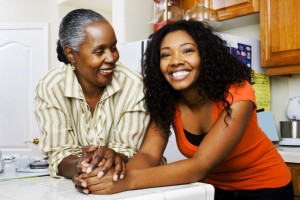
{"x": 92, "y": 100}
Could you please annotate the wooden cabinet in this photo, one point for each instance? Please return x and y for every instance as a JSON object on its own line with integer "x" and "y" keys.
{"x": 228, "y": 9}
{"x": 295, "y": 170}
{"x": 280, "y": 33}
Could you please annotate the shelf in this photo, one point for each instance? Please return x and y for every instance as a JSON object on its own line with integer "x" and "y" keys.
{"x": 238, "y": 22}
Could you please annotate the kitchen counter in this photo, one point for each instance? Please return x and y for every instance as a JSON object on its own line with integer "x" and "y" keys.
{"x": 42, "y": 186}
{"x": 289, "y": 154}
{"x": 10, "y": 172}
{"x": 48, "y": 188}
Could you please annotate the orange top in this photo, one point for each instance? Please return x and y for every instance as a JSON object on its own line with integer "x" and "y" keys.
{"x": 253, "y": 164}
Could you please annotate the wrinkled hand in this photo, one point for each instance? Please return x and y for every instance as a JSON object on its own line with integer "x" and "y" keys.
{"x": 103, "y": 185}
{"x": 105, "y": 158}
{"x": 87, "y": 154}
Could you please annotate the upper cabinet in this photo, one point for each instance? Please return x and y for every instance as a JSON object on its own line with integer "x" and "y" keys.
{"x": 280, "y": 33}
{"x": 228, "y": 9}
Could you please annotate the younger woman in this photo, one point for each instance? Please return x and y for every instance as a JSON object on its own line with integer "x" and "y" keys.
{"x": 196, "y": 86}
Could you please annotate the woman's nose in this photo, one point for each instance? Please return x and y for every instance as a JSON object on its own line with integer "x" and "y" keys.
{"x": 176, "y": 60}
{"x": 111, "y": 57}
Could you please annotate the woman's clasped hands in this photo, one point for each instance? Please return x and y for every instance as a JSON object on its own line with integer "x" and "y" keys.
{"x": 98, "y": 161}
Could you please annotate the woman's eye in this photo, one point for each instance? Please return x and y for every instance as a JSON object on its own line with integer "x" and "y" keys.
{"x": 100, "y": 51}
{"x": 188, "y": 51}
{"x": 163, "y": 55}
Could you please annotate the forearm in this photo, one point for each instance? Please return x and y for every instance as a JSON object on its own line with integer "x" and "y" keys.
{"x": 151, "y": 152}
{"x": 68, "y": 166}
{"x": 142, "y": 161}
{"x": 180, "y": 172}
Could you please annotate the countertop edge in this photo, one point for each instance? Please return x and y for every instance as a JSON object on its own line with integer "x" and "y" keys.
{"x": 290, "y": 156}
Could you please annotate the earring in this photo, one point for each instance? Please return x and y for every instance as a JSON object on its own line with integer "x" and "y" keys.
{"x": 72, "y": 67}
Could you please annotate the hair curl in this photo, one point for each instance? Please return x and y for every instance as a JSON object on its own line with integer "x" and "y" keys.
{"x": 219, "y": 69}
{"x": 71, "y": 30}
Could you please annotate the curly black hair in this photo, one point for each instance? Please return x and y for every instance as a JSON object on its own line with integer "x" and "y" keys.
{"x": 219, "y": 69}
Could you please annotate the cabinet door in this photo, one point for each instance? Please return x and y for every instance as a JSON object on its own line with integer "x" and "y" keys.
{"x": 280, "y": 32}
{"x": 228, "y": 9}
{"x": 295, "y": 171}
{"x": 23, "y": 61}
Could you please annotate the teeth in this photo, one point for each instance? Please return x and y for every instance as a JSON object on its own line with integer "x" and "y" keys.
{"x": 105, "y": 70}
{"x": 180, "y": 74}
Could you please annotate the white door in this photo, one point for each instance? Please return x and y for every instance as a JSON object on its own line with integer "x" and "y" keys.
{"x": 23, "y": 61}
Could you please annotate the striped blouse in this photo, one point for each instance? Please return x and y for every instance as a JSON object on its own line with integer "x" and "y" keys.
{"x": 66, "y": 123}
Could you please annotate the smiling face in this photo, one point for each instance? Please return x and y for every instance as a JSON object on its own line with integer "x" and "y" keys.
{"x": 179, "y": 60}
{"x": 95, "y": 61}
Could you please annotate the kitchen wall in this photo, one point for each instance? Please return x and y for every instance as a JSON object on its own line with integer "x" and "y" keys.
{"x": 33, "y": 11}
{"x": 282, "y": 87}
{"x": 130, "y": 19}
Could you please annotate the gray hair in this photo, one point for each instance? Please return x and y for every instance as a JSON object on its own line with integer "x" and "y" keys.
{"x": 71, "y": 30}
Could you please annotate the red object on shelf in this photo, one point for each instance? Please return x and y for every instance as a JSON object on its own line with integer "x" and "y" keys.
{"x": 166, "y": 12}
{"x": 175, "y": 1}
{"x": 158, "y": 25}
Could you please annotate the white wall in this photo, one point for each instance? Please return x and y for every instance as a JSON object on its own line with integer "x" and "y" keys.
{"x": 130, "y": 19}
{"x": 31, "y": 11}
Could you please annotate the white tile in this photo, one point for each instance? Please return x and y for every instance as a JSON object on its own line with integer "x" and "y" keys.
{"x": 290, "y": 156}
{"x": 68, "y": 196}
{"x": 27, "y": 189}
{"x": 5, "y": 198}
{"x": 66, "y": 184}
{"x": 47, "y": 188}
{"x": 152, "y": 196}
{"x": 186, "y": 193}
{"x": 121, "y": 195}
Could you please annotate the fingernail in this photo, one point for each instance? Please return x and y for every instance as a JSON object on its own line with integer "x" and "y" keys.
{"x": 89, "y": 170}
{"x": 86, "y": 191}
{"x": 115, "y": 177}
{"x": 122, "y": 176}
{"x": 83, "y": 169}
{"x": 100, "y": 174}
{"x": 83, "y": 184}
{"x": 85, "y": 164}
{"x": 82, "y": 163}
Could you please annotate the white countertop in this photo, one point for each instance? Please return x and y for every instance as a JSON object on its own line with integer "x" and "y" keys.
{"x": 47, "y": 188}
{"x": 289, "y": 154}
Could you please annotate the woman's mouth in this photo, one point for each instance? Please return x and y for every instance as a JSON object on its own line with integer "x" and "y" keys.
{"x": 106, "y": 72}
{"x": 180, "y": 75}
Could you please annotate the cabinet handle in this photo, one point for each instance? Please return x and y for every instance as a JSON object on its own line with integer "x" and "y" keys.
{"x": 34, "y": 141}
